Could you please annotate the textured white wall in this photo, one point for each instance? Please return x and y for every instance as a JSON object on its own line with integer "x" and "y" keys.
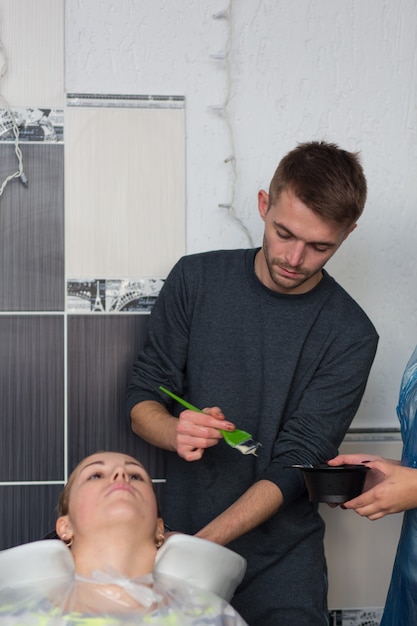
{"x": 344, "y": 71}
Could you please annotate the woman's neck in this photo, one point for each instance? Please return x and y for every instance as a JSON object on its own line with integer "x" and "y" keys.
{"x": 131, "y": 558}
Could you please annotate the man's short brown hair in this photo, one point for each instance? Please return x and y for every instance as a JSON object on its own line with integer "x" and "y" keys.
{"x": 327, "y": 179}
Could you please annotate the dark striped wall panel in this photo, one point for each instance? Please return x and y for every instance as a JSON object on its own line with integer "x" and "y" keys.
{"x": 101, "y": 350}
{"x": 32, "y": 230}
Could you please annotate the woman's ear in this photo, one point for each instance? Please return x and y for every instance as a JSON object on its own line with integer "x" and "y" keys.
{"x": 63, "y": 528}
{"x": 160, "y": 532}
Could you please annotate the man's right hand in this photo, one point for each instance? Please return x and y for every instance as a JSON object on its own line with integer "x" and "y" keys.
{"x": 197, "y": 431}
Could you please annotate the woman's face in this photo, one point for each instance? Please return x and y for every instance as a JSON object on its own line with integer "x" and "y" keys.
{"x": 109, "y": 488}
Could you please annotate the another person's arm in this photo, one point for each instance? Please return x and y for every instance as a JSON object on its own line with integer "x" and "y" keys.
{"x": 389, "y": 487}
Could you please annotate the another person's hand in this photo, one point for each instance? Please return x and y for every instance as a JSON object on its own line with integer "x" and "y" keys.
{"x": 198, "y": 431}
{"x": 373, "y": 477}
{"x": 389, "y": 486}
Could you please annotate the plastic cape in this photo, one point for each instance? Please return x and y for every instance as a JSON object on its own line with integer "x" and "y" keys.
{"x": 401, "y": 604}
{"x": 108, "y": 599}
{"x": 39, "y": 586}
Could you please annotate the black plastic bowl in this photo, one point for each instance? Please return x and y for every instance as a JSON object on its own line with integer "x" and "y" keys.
{"x": 334, "y": 484}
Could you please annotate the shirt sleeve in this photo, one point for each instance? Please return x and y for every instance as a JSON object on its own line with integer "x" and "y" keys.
{"x": 319, "y": 421}
{"x": 163, "y": 359}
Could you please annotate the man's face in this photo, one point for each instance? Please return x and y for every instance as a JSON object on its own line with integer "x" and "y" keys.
{"x": 297, "y": 244}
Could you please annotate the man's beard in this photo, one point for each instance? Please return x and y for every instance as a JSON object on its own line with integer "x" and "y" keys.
{"x": 287, "y": 283}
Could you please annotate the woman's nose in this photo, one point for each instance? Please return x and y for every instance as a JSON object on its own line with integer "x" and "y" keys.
{"x": 119, "y": 473}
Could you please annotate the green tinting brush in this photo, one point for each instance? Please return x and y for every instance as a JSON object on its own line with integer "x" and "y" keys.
{"x": 238, "y": 439}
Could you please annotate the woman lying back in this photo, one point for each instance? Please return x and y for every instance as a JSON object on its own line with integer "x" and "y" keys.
{"x": 109, "y": 520}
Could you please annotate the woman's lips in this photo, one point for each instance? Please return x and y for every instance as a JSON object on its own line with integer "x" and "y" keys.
{"x": 120, "y": 487}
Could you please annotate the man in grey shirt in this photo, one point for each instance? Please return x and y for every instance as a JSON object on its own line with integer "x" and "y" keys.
{"x": 272, "y": 344}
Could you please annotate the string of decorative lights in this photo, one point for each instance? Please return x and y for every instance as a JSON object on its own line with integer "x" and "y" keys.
{"x": 223, "y": 111}
{"x": 7, "y": 123}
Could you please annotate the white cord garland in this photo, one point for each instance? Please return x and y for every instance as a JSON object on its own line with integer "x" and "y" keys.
{"x": 224, "y": 111}
{"x": 11, "y": 124}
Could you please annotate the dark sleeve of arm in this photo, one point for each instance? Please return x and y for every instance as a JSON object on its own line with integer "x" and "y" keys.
{"x": 317, "y": 425}
{"x": 162, "y": 361}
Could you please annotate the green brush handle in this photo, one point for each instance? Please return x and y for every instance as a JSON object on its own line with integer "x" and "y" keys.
{"x": 180, "y": 400}
{"x": 234, "y": 438}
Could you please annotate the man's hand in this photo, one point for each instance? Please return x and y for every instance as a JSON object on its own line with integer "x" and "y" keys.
{"x": 197, "y": 431}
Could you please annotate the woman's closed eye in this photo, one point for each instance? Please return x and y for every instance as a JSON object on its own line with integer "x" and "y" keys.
{"x": 136, "y": 477}
{"x": 95, "y": 476}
